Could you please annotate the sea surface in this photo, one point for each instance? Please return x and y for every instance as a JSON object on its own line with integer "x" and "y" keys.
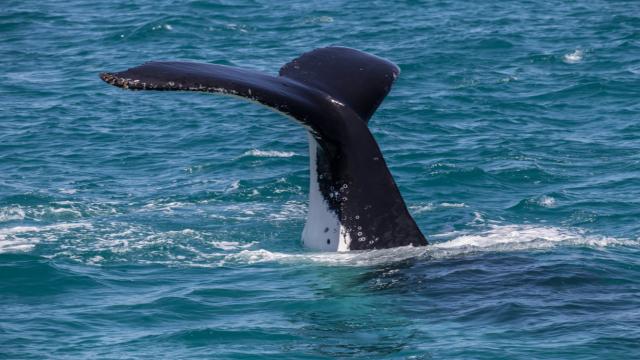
{"x": 157, "y": 225}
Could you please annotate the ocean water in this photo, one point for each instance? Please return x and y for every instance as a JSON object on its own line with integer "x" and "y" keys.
{"x": 167, "y": 225}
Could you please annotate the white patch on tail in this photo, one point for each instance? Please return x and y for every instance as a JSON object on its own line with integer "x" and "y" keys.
{"x": 322, "y": 230}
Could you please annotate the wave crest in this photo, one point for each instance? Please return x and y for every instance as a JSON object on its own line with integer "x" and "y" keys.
{"x": 498, "y": 238}
{"x": 269, "y": 153}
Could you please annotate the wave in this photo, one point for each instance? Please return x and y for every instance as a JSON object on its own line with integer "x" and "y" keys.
{"x": 417, "y": 209}
{"x": 121, "y": 241}
{"x": 25, "y": 238}
{"x": 57, "y": 211}
{"x": 523, "y": 237}
{"x": 269, "y": 153}
{"x": 11, "y": 213}
{"x": 543, "y": 201}
{"x": 574, "y": 57}
{"x": 497, "y": 238}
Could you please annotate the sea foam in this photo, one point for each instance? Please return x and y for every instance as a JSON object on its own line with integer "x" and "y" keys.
{"x": 497, "y": 238}
{"x": 269, "y": 153}
{"x": 574, "y": 57}
{"x": 25, "y": 238}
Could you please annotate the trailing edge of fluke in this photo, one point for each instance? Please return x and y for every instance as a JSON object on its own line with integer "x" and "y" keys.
{"x": 354, "y": 203}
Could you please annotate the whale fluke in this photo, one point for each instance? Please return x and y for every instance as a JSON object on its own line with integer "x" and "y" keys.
{"x": 356, "y": 79}
{"x": 354, "y": 203}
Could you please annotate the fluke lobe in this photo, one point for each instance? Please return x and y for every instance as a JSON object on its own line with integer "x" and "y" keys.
{"x": 354, "y": 203}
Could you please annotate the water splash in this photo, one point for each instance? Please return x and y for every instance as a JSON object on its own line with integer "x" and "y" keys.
{"x": 574, "y": 57}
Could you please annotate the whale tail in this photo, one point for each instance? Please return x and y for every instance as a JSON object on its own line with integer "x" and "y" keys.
{"x": 333, "y": 92}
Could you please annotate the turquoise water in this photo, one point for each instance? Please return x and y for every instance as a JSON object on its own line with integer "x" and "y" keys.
{"x": 167, "y": 225}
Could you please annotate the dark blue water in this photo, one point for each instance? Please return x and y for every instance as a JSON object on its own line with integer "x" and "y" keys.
{"x": 167, "y": 225}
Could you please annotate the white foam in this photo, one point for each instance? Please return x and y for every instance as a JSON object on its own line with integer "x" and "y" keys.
{"x": 353, "y": 258}
{"x": 67, "y": 191}
{"x": 496, "y": 239}
{"x": 163, "y": 26}
{"x": 417, "y": 209}
{"x": 290, "y": 210}
{"x": 508, "y": 79}
{"x": 320, "y": 20}
{"x": 235, "y": 185}
{"x": 58, "y": 209}
{"x": 62, "y": 211}
{"x": 95, "y": 260}
{"x": 478, "y": 218}
{"x": 189, "y": 247}
{"x": 574, "y": 57}
{"x": 144, "y": 244}
{"x": 546, "y": 201}
{"x": 232, "y": 245}
{"x": 522, "y": 237}
{"x": 237, "y": 27}
{"x": 25, "y": 238}
{"x": 11, "y": 213}
{"x": 166, "y": 208}
{"x": 269, "y": 153}
{"x": 453, "y": 205}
